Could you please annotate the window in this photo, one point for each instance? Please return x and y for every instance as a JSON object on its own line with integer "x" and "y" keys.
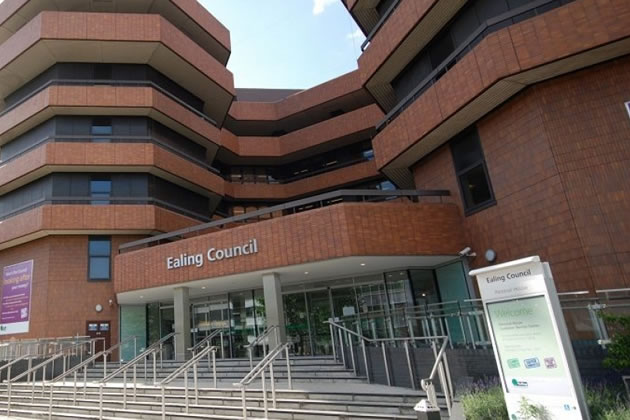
{"x": 472, "y": 173}
{"x": 99, "y": 256}
{"x": 101, "y": 127}
{"x": 100, "y": 187}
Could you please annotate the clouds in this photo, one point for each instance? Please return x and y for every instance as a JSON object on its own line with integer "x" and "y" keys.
{"x": 356, "y": 35}
{"x": 319, "y": 6}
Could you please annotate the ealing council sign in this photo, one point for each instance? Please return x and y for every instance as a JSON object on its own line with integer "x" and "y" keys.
{"x": 530, "y": 339}
{"x": 15, "y": 311}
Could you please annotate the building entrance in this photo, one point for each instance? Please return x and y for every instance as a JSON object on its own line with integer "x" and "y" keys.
{"x": 99, "y": 329}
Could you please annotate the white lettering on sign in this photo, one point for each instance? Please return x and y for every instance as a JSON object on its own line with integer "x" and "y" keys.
{"x": 212, "y": 255}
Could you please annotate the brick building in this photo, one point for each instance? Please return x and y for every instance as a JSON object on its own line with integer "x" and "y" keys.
{"x": 152, "y": 196}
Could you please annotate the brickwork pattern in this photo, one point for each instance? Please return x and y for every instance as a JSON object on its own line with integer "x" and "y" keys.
{"x": 558, "y": 157}
{"x": 342, "y": 230}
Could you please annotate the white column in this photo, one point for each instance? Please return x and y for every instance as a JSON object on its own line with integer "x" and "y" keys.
{"x": 274, "y": 306}
{"x": 182, "y": 322}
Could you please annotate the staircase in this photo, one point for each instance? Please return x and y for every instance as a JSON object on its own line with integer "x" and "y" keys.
{"x": 322, "y": 389}
{"x": 303, "y": 369}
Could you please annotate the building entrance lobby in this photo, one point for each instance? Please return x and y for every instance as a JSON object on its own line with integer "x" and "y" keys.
{"x": 374, "y": 304}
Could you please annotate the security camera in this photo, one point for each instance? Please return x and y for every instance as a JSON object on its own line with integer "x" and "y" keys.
{"x": 467, "y": 252}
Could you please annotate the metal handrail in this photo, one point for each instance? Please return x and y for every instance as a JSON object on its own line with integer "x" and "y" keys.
{"x": 379, "y": 24}
{"x": 258, "y": 340}
{"x": 157, "y": 346}
{"x": 153, "y": 349}
{"x": 208, "y": 339}
{"x": 259, "y": 370}
{"x": 14, "y": 361}
{"x": 320, "y": 198}
{"x": 440, "y": 359}
{"x": 43, "y": 365}
{"x": 184, "y": 369}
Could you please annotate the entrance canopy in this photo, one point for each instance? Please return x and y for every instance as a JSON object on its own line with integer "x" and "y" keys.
{"x": 309, "y": 273}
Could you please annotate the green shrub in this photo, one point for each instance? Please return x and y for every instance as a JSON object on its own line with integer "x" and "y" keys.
{"x": 486, "y": 404}
{"x": 603, "y": 399}
{"x": 619, "y": 349}
{"x": 616, "y": 414}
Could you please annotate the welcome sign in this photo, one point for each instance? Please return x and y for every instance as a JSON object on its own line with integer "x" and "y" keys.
{"x": 15, "y": 309}
{"x": 530, "y": 339}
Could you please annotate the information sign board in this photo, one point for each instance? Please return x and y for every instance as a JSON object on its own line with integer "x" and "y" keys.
{"x": 15, "y": 307}
{"x": 530, "y": 339}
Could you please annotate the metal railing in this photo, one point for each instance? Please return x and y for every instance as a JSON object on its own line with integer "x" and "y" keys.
{"x": 8, "y": 365}
{"x": 262, "y": 339}
{"x": 101, "y": 82}
{"x": 486, "y": 28}
{"x": 38, "y": 347}
{"x": 291, "y": 207}
{"x": 152, "y": 350}
{"x": 101, "y": 201}
{"x": 259, "y": 371}
{"x": 344, "y": 336}
{"x": 31, "y": 372}
{"x": 207, "y": 341}
{"x": 183, "y": 369}
{"x": 379, "y": 24}
{"x": 88, "y": 138}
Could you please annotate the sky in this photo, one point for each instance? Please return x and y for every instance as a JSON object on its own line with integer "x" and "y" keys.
{"x": 293, "y": 44}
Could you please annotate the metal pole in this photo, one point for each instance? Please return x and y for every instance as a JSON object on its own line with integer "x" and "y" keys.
{"x": 186, "y": 388}
{"x": 50, "y": 403}
{"x": 244, "y": 398}
{"x": 214, "y": 368}
{"x": 389, "y": 379}
{"x": 273, "y": 385}
{"x": 264, "y": 391}
{"x": 365, "y": 361}
{"x": 84, "y": 381}
{"x": 286, "y": 349}
{"x": 135, "y": 346}
{"x": 74, "y": 389}
{"x": 135, "y": 382}
{"x": 411, "y": 377}
{"x": 154, "y": 368}
{"x": 343, "y": 352}
{"x": 100, "y": 401}
{"x": 125, "y": 389}
{"x": 251, "y": 360}
{"x": 332, "y": 340}
{"x": 354, "y": 367}
{"x": 222, "y": 347}
{"x": 163, "y": 404}
{"x": 161, "y": 357}
{"x": 195, "y": 381}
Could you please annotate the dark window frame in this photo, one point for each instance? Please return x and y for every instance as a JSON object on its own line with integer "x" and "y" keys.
{"x": 90, "y": 256}
{"x": 472, "y": 135}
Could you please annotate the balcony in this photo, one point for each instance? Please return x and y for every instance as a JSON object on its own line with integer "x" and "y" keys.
{"x": 342, "y": 224}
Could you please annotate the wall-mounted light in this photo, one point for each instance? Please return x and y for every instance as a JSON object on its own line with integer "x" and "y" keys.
{"x": 490, "y": 255}
{"x": 98, "y": 308}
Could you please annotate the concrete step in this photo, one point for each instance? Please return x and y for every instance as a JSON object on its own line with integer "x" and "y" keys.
{"x": 220, "y": 405}
{"x": 363, "y": 393}
{"x": 178, "y": 411}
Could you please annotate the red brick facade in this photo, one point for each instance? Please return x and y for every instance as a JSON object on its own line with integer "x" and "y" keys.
{"x": 558, "y": 158}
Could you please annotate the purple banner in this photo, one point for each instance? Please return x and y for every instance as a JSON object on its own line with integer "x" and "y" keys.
{"x": 15, "y": 311}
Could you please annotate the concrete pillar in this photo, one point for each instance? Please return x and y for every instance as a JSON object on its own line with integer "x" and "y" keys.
{"x": 274, "y": 306}
{"x": 182, "y": 322}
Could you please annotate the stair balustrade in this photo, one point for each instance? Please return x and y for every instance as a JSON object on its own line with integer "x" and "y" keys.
{"x": 259, "y": 370}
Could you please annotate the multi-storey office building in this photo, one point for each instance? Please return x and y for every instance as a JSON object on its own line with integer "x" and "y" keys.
{"x": 505, "y": 124}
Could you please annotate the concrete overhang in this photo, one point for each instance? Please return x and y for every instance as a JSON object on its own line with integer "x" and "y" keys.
{"x": 188, "y": 16}
{"x": 294, "y": 275}
{"x": 108, "y": 100}
{"x": 55, "y": 37}
{"x": 500, "y": 66}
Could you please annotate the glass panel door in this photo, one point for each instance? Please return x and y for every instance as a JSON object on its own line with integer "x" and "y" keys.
{"x": 319, "y": 307}
{"x": 243, "y": 322}
{"x": 297, "y": 323}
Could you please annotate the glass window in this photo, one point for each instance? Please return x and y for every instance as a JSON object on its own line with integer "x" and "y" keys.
{"x": 101, "y": 127}
{"x": 99, "y": 253}
{"x": 471, "y": 171}
{"x": 100, "y": 188}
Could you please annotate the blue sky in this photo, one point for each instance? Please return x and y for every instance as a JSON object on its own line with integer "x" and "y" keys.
{"x": 293, "y": 44}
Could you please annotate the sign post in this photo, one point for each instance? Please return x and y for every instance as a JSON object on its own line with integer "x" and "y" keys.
{"x": 15, "y": 309}
{"x": 530, "y": 339}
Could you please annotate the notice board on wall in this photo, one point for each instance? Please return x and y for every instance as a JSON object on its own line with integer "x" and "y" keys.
{"x": 15, "y": 305}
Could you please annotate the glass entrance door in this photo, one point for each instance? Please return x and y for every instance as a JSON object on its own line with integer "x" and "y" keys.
{"x": 305, "y": 313}
{"x": 210, "y": 316}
